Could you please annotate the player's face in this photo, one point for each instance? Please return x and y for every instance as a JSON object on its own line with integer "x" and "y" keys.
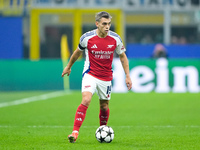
{"x": 103, "y": 26}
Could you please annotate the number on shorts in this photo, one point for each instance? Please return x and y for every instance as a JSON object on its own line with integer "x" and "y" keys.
{"x": 108, "y": 90}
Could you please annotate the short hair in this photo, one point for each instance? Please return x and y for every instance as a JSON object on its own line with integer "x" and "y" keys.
{"x": 102, "y": 14}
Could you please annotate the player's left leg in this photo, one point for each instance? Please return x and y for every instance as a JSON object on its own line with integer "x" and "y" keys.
{"x": 104, "y": 112}
{"x": 104, "y": 93}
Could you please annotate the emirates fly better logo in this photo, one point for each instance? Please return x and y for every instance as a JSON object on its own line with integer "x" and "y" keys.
{"x": 102, "y": 54}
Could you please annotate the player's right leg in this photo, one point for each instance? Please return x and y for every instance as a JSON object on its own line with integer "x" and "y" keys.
{"x": 88, "y": 88}
{"x": 80, "y": 115}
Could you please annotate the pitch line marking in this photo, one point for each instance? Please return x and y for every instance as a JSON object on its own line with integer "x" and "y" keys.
{"x": 34, "y": 98}
{"x": 60, "y": 126}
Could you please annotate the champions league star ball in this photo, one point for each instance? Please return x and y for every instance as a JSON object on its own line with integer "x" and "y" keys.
{"x": 104, "y": 134}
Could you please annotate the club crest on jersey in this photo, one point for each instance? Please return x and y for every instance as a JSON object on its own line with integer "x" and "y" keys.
{"x": 94, "y": 46}
{"x": 110, "y": 46}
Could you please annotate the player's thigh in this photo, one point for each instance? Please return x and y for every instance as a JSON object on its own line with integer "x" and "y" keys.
{"x": 88, "y": 84}
{"x": 104, "y": 90}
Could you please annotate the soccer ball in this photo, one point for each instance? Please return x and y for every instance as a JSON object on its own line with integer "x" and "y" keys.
{"x": 104, "y": 134}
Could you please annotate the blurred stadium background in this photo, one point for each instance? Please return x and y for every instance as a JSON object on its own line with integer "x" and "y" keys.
{"x": 162, "y": 38}
{"x": 31, "y": 32}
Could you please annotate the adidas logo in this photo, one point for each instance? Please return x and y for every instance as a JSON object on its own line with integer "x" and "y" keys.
{"x": 94, "y": 46}
{"x": 79, "y": 119}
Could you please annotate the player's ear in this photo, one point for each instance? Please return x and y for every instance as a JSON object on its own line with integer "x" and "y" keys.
{"x": 97, "y": 24}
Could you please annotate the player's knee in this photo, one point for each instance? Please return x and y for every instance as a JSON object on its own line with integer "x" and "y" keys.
{"x": 104, "y": 106}
{"x": 86, "y": 100}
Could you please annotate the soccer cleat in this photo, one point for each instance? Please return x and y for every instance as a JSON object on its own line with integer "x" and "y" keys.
{"x": 72, "y": 137}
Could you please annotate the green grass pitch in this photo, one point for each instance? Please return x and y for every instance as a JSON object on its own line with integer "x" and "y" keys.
{"x": 142, "y": 121}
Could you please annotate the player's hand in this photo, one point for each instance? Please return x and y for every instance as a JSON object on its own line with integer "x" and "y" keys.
{"x": 128, "y": 82}
{"x": 66, "y": 71}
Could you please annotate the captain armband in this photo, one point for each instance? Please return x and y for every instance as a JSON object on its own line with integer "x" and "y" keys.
{"x": 80, "y": 47}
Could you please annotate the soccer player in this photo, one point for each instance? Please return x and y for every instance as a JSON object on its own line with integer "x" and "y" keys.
{"x": 99, "y": 46}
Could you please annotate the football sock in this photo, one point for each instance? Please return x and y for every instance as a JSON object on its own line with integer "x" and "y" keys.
{"x": 103, "y": 116}
{"x": 79, "y": 117}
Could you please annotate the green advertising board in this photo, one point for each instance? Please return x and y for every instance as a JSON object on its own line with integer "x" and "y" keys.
{"x": 30, "y": 75}
{"x": 161, "y": 75}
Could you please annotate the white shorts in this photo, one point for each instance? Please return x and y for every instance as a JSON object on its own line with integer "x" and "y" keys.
{"x": 92, "y": 84}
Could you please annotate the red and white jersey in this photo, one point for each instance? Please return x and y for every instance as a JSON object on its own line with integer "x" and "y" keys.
{"x": 99, "y": 53}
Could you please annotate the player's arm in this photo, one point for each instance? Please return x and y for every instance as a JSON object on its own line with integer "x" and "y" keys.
{"x": 77, "y": 53}
{"x": 125, "y": 65}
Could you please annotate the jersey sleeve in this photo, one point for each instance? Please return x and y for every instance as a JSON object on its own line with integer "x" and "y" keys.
{"x": 82, "y": 43}
{"x": 120, "y": 47}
